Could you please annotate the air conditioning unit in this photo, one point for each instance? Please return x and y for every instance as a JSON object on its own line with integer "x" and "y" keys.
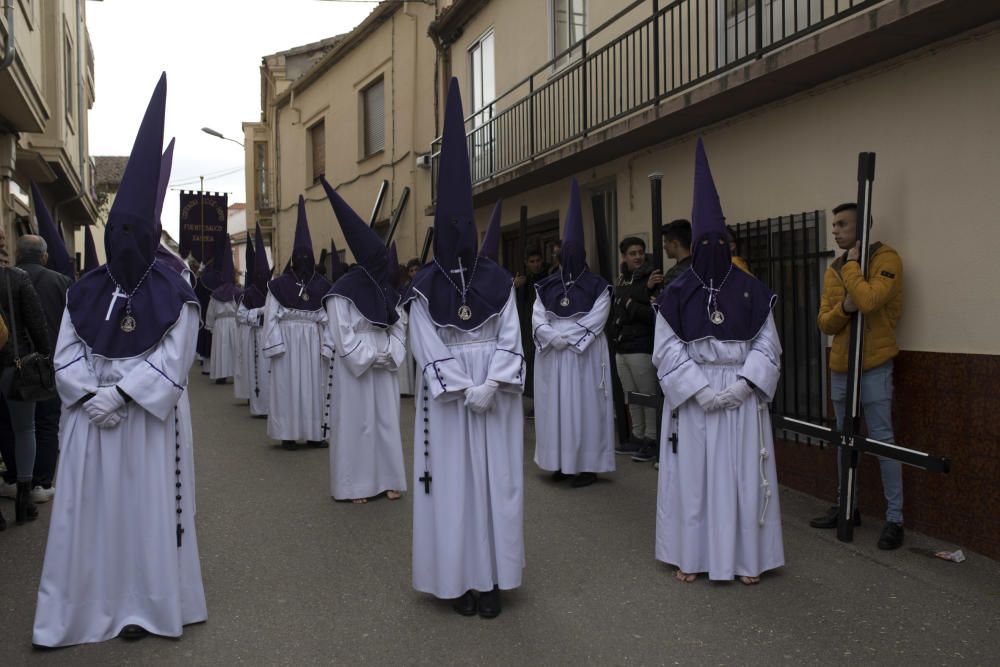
{"x": 424, "y": 161}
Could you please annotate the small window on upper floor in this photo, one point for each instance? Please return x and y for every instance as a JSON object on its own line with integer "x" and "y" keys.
{"x": 373, "y": 113}
{"x": 317, "y": 150}
{"x": 68, "y": 77}
{"x": 569, "y": 24}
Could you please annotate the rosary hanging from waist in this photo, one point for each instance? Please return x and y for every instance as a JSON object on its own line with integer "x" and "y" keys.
{"x": 464, "y": 311}
{"x": 715, "y": 316}
{"x": 128, "y": 323}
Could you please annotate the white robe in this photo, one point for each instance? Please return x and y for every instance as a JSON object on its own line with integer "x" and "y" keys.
{"x": 293, "y": 341}
{"x": 717, "y": 504}
{"x": 406, "y": 379}
{"x": 574, "y": 410}
{"x": 366, "y": 452}
{"x": 258, "y": 380}
{"x": 221, "y": 321}
{"x": 468, "y": 532}
{"x": 243, "y": 362}
{"x": 112, "y": 557}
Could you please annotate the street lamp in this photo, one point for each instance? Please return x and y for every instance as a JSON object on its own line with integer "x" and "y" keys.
{"x": 216, "y": 133}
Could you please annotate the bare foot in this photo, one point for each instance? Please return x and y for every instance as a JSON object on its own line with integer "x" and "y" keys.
{"x": 686, "y": 577}
{"x": 393, "y": 495}
{"x": 749, "y": 581}
{"x": 360, "y": 501}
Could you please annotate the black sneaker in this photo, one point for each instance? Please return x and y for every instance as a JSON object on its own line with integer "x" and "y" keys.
{"x": 829, "y": 520}
{"x": 891, "y": 537}
{"x": 649, "y": 452}
{"x": 632, "y": 446}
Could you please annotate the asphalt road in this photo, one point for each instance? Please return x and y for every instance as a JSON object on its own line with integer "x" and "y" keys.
{"x": 294, "y": 578}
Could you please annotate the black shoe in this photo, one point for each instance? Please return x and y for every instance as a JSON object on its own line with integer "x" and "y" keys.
{"x": 221, "y": 381}
{"x": 829, "y": 520}
{"x": 133, "y": 632}
{"x": 465, "y": 605}
{"x": 649, "y": 452}
{"x": 489, "y": 603}
{"x": 24, "y": 509}
{"x": 317, "y": 444}
{"x": 632, "y": 446}
{"x": 891, "y": 537}
{"x": 583, "y": 479}
{"x": 290, "y": 445}
{"x": 559, "y": 476}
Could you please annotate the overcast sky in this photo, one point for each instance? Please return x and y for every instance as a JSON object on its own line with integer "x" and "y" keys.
{"x": 211, "y": 51}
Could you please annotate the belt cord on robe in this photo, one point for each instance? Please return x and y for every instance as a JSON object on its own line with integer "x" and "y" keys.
{"x": 426, "y": 479}
{"x": 765, "y": 485}
{"x": 177, "y": 472}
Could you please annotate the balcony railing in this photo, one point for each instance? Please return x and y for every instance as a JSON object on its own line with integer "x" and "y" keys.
{"x": 623, "y": 66}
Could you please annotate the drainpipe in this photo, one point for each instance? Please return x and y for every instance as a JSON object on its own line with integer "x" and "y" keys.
{"x": 8, "y": 49}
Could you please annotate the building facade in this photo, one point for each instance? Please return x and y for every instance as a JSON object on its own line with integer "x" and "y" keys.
{"x": 786, "y": 94}
{"x": 47, "y": 87}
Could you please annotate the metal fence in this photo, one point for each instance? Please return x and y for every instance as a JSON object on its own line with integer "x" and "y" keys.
{"x": 646, "y": 52}
{"x": 786, "y": 254}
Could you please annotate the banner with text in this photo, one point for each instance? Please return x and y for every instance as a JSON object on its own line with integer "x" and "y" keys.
{"x": 204, "y": 219}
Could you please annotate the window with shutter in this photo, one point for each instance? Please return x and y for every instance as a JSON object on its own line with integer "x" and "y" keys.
{"x": 317, "y": 139}
{"x": 373, "y": 99}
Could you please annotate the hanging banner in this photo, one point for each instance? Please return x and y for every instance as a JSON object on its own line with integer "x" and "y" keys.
{"x": 203, "y": 229}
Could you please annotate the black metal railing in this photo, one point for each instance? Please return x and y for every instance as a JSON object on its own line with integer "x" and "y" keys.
{"x": 630, "y": 62}
{"x": 786, "y": 253}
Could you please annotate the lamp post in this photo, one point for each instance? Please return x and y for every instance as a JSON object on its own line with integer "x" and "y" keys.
{"x": 216, "y": 133}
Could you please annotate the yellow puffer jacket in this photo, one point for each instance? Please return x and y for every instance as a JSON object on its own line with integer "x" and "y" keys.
{"x": 879, "y": 299}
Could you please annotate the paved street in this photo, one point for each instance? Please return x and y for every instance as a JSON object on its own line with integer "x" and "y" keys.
{"x": 293, "y": 577}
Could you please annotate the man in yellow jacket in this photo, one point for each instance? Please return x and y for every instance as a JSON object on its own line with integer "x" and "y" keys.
{"x": 880, "y": 300}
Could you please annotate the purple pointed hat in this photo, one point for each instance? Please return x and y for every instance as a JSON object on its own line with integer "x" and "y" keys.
{"x": 227, "y": 291}
{"x": 258, "y": 274}
{"x": 337, "y": 268}
{"x": 144, "y": 297}
{"x": 90, "y": 259}
{"x": 299, "y": 287}
{"x": 166, "y": 164}
{"x": 713, "y": 299}
{"x": 58, "y": 255}
{"x": 249, "y": 261}
{"x": 462, "y": 289}
{"x": 491, "y": 239}
{"x": 573, "y": 289}
{"x": 367, "y": 285}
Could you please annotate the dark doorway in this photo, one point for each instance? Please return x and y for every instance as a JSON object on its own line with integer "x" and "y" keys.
{"x": 543, "y": 234}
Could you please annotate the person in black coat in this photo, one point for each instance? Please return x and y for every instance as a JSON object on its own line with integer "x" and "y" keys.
{"x": 51, "y": 286}
{"x": 28, "y": 329}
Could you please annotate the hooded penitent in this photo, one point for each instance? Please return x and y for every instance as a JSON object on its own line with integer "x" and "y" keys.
{"x": 249, "y": 262}
{"x": 491, "y": 239}
{"x": 90, "y": 260}
{"x": 367, "y": 285}
{"x": 227, "y": 291}
{"x": 299, "y": 287}
{"x": 58, "y": 255}
{"x": 126, "y": 309}
{"x": 573, "y": 289}
{"x": 258, "y": 274}
{"x": 462, "y": 289}
{"x": 713, "y": 299}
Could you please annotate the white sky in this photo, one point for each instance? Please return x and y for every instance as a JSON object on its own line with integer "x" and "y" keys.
{"x": 211, "y": 51}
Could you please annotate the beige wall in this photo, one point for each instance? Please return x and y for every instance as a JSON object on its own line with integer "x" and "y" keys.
{"x": 929, "y": 117}
{"x": 335, "y": 97}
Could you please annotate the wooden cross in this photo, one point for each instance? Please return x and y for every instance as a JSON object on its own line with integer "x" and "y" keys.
{"x": 426, "y": 479}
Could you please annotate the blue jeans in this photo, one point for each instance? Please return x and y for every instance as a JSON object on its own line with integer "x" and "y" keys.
{"x": 876, "y": 404}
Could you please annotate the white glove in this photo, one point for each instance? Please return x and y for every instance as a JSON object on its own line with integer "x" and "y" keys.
{"x": 480, "y": 398}
{"x": 735, "y": 394}
{"x": 559, "y": 342}
{"x": 382, "y": 360}
{"x": 104, "y": 406}
{"x": 707, "y": 399}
